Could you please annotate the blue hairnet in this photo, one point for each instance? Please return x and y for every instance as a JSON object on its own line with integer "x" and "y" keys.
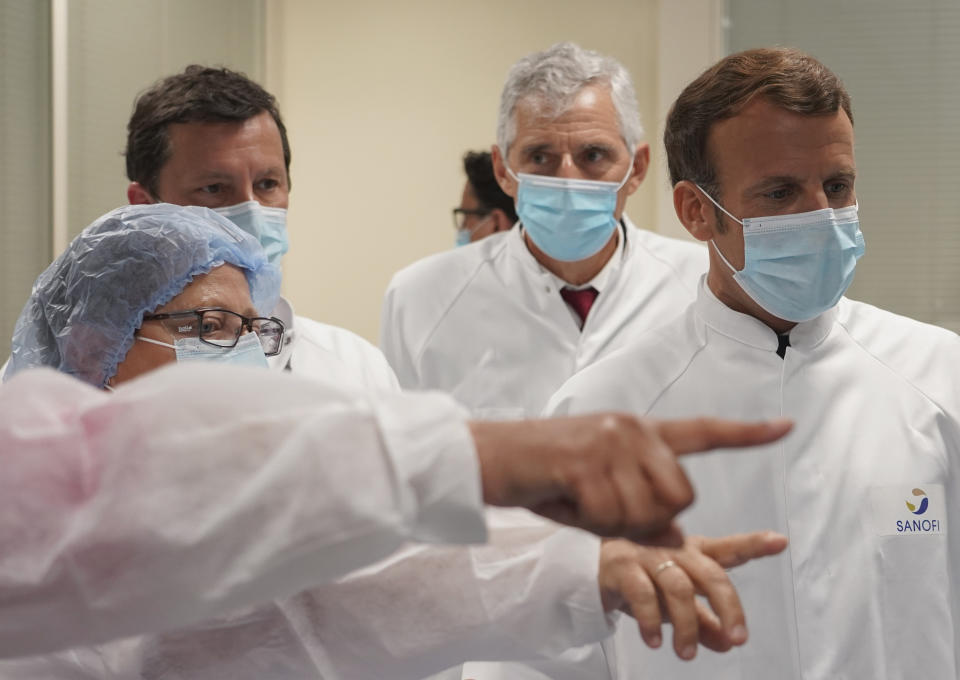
{"x": 84, "y": 309}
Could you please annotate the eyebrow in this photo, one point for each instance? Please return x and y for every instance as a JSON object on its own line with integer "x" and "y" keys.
{"x": 535, "y": 148}
{"x": 204, "y": 175}
{"x": 777, "y": 180}
{"x": 768, "y": 182}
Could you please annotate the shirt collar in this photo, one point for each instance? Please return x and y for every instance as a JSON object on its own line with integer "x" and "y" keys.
{"x": 518, "y": 248}
{"x": 284, "y": 312}
{"x": 753, "y": 332}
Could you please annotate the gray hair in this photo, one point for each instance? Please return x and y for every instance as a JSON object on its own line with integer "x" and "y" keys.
{"x": 554, "y": 77}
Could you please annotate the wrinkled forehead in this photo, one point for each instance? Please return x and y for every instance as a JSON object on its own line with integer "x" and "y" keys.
{"x": 764, "y": 138}
{"x": 589, "y": 109}
{"x": 210, "y": 143}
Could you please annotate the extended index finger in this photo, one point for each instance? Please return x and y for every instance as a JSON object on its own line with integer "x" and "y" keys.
{"x": 737, "y": 549}
{"x": 703, "y": 434}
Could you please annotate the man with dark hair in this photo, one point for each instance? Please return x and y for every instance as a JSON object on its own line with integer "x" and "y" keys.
{"x": 198, "y": 95}
{"x": 213, "y": 137}
{"x": 484, "y": 209}
{"x": 761, "y": 154}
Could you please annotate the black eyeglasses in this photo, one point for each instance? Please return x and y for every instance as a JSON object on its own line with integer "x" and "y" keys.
{"x": 460, "y": 216}
{"x": 223, "y": 328}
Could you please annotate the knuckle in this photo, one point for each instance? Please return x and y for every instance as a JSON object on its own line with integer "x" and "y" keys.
{"x": 681, "y": 589}
{"x": 716, "y": 579}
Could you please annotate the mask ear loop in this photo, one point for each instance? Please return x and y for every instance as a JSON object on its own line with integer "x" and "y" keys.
{"x": 727, "y": 213}
{"x": 627, "y": 176}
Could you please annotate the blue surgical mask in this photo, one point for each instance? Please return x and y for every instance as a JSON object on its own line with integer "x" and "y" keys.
{"x": 465, "y": 235}
{"x": 798, "y": 266}
{"x": 568, "y": 219}
{"x": 247, "y": 352}
{"x": 267, "y": 225}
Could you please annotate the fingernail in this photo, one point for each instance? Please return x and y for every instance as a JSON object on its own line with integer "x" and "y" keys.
{"x": 688, "y": 652}
{"x": 738, "y": 634}
{"x": 654, "y": 641}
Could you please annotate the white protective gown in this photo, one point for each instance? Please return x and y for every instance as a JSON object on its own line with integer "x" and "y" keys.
{"x": 187, "y": 493}
{"x": 486, "y": 323}
{"x": 417, "y": 612}
{"x": 866, "y": 486}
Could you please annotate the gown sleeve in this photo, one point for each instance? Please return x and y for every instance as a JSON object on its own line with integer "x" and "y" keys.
{"x": 192, "y": 491}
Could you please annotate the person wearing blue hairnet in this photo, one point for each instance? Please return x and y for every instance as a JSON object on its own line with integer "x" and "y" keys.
{"x": 132, "y": 501}
{"x": 147, "y": 285}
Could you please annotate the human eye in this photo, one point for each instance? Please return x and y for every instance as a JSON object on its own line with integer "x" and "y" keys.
{"x": 539, "y": 158}
{"x": 212, "y": 323}
{"x": 596, "y": 154}
{"x": 780, "y": 193}
{"x": 267, "y": 184}
{"x": 837, "y": 188}
{"x": 211, "y": 188}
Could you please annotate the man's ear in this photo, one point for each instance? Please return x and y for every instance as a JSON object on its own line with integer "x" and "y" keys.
{"x": 641, "y": 161}
{"x": 695, "y": 211}
{"x": 500, "y": 220}
{"x": 506, "y": 182}
{"x": 137, "y": 194}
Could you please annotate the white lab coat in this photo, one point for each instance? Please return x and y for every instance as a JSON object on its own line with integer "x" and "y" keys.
{"x": 413, "y": 614}
{"x": 486, "y": 323}
{"x": 312, "y": 348}
{"x": 197, "y": 489}
{"x": 867, "y": 588}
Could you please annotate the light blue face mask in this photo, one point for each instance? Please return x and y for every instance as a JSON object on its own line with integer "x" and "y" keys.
{"x": 568, "y": 219}
{"x": 267, "y": 225}
{"x": 465, "y": 235}
{"x": 247, "y": 352}
{"x": 798, "y": 266}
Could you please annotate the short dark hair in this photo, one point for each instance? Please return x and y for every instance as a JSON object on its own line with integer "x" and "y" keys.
{"x": 479, "y": 168}
{"x": 199, "y": 94}
{"x": 788, "y": 78}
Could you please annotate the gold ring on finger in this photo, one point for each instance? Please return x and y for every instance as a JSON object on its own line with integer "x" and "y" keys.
{"x": 664, "y": 565}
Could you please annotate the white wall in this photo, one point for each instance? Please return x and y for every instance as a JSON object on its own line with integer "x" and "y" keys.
{"x": 115, "y": 49}
{"x": 24, "y": 155}
{"x": 381, "y": 100}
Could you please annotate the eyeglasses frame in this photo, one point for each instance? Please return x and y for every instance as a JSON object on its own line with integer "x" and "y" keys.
{"x": 246, "y": 322}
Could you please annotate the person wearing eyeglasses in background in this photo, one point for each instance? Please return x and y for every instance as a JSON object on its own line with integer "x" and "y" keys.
{"x": 484, "y": 208}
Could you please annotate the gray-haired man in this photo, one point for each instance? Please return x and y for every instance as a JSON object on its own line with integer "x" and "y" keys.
{"x": 502, "y": 323}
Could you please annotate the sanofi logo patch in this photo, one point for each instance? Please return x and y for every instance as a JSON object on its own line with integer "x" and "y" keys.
{"x": 909, "y": 510}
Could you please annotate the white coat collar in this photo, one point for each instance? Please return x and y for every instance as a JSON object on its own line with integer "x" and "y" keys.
{"x": 753, "y": 332}
{"x": 284, "y": 312}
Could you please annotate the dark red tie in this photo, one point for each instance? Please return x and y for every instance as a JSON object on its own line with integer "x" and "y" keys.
{"x": 580, "y": 300}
